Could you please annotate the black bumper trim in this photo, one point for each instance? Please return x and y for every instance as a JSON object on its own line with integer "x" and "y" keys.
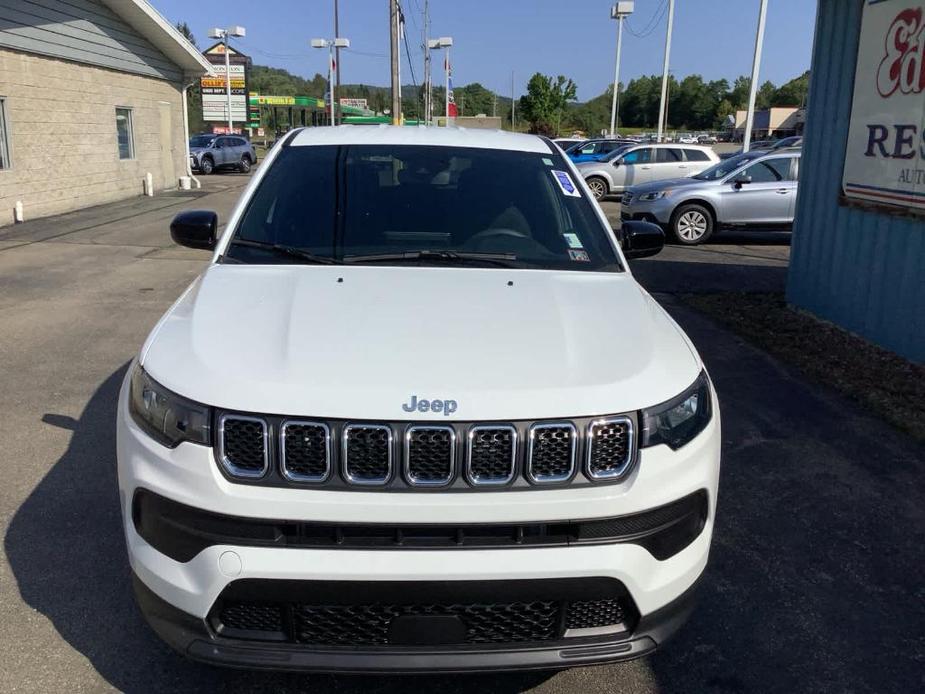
{"x": 192, "y": 637}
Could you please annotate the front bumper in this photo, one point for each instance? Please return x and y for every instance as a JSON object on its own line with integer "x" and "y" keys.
{"x": 179, "y": 596}
{"x": 657, "y": 211}
{"x": 196, "y": 639}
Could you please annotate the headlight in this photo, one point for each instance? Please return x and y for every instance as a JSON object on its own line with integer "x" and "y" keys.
{"x": 648, "y": 197}
{"x": 679, "y": 420}
{"x": 165, "y": 416}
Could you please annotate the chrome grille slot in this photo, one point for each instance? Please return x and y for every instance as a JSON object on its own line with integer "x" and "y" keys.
{"x": 610, "y": 448}
{"x": 305, "y": 451}
{"x": 367, "y": 454}
{"x": 551, "y": 453}
{"x": 491, "y": 455}
{"x": 430, "y": 455}
{"x": 242, "y": 442}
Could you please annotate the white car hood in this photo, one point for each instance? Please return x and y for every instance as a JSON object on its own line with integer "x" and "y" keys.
{"x": 358, "y": 342}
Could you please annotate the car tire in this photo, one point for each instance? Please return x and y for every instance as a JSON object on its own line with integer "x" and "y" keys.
{"x": 692, "y": 224}
{"x": 598, "y": 186}
{"x": 207, "y": 166}
{"x": 245, "y": 165}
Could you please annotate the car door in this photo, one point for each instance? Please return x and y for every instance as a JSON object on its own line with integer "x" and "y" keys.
{"x": 668, "y": 164}
{"x": 764, "y": 199}
{"x": 632, "y": 168}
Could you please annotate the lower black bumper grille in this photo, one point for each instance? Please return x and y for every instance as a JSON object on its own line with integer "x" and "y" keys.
{"x": 548, "y": 610}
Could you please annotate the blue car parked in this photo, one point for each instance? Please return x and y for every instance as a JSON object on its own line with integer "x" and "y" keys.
{"x": 595, "y": 150}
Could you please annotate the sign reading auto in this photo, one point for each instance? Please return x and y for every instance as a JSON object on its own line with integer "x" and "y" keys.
{"x": 885, "y": 159}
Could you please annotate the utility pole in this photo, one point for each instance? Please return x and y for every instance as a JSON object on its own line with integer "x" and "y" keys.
{"x": 662, "y": 104}
{"x": 620, "y": 11}
{"x": 512, "y": 100}
{"x": 395, "y": 60}
{"x": 427, "y": 93}
{"x": 753, "y": 87}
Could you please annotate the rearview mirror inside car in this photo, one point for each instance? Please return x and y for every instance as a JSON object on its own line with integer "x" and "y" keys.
{"x": 195, "y": 229}
{"x": 640, "y": 239}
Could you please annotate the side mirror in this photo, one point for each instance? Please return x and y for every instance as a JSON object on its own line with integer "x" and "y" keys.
{"x": 640, "y": 239}
{"x": 195, "y": 229}
{"x": 617, "y": 162}
{"x": 739, "y": 181}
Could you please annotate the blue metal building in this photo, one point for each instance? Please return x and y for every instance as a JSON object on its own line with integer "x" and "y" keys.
{"x": 859, "y": 265}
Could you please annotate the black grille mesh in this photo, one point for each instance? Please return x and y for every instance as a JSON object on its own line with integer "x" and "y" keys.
{"x": 348, "y": 625}
{"x": 306, "y": 454}
{"x": 552, "y": 453}
{"x": 587, "y": 614}
{"x": 430, "y": 455}
{"x": 491, "y": 454}
{"x": 609, "y": 449}
{"x": 367, "y": 453}
{"x": 243, "y": 445}
{"x": 252, "y": 616}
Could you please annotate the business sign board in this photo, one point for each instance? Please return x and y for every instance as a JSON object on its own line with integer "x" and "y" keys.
{"x": 885, "y": 156}
{"x": 354, "y": 103}
{"x": 214, "y": 89}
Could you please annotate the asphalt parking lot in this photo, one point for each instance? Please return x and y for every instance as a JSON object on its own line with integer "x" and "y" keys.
{"x": 815, "y": 581}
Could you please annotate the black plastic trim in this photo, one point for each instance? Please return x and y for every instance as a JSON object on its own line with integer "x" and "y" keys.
{"x": 192, "y": 637}
{"x": 181, "y": 532}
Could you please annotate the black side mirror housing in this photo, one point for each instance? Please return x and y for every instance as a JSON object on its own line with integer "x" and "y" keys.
{"x": 741, "y": 180}
{"x": 195, "y": 229}
{"x": 640, "y": 239}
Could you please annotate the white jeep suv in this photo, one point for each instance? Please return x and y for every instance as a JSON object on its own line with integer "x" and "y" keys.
{"x": 416, "y": 414}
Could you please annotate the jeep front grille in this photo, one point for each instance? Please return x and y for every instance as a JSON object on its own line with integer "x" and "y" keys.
{"x": 610, "y": 448}
{"x": 430, "y": 455}
{"x": 551, "y": 455}
{"x": 367, "y": 453}
{"x": 305, "y": 451}
{"x": 243, "y": 450}
{"x": 492, "y": 455}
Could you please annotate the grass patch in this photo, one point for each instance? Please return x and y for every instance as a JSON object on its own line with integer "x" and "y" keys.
{"x": 877, "y": 379}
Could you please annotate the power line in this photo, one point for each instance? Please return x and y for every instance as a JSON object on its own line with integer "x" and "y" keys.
{"x": 654, "y": 21}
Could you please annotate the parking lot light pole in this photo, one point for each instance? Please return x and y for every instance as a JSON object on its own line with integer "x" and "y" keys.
{"x": 620, "y": 11}
{"x": 331, "y": 44}
{"x": 223, "y": 34}
{"x": 662, "y": 104}
{"x": 436, "y": 44}
{"x": 753, "y": 87}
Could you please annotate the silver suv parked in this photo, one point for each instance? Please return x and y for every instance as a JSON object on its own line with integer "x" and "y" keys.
{"x": 209, "y": 153}
{"x": 636, "y": 164}
{"x": 757, "y": 189}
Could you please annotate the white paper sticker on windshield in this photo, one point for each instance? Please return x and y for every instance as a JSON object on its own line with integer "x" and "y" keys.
{"x": 573, "y": 241}
{"x": 547, "y": 161}
{"x": 565, "y": 183}
{"x": 580, "y": 256}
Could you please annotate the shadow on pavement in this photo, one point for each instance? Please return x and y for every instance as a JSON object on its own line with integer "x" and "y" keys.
{"x": 677, "y": 276}
{"x": 66, "y": 549}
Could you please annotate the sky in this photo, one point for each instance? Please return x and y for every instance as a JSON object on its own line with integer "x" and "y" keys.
{"x": 492, "y": 38}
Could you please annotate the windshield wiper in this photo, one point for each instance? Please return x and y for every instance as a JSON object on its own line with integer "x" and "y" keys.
{"x": 502, "y": 259}
{"x": 289, "y": 251}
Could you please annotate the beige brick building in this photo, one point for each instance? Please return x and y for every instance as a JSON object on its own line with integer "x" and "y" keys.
{"x": 92, "y": 99}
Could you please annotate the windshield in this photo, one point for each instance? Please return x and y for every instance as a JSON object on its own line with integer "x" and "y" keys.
{"x": 201, "y": 140}
{"x": 421, "y": 205}
{"x": 574, "y": 148}
{"x": 727, "y": 166}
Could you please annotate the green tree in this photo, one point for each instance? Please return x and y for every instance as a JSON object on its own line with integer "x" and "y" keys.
{"x": 792, "y": 93}
{"x": 738, "y": 97}
{"x": 546, "y": 101}
{"x": 184, "y": 29}
{"x": 474, "y": 99}
{"x": 765, "y": 96}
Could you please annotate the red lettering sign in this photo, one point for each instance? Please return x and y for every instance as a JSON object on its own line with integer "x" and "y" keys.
{"x": 901, "y": 67}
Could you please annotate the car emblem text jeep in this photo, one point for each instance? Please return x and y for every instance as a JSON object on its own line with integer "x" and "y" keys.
{"x": 447, "y": 407}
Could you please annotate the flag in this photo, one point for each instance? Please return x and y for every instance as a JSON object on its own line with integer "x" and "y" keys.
{"x": 451, "y": 110}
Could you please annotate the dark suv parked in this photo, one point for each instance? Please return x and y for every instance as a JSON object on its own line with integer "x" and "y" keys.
{"x": 211, "y": 152}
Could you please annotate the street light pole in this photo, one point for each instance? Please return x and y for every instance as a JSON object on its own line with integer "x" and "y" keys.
{"x": 662, "y": 104}
{"x": 224, "y": 34}
{"x": 332, "y": 45}
{"x": 436, "y": 44}
{"x": 619, "y": 12}
{"x": 753, "y": 87}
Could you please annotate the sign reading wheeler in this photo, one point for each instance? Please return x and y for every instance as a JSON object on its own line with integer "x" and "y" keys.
{"x": 885, "y": 158}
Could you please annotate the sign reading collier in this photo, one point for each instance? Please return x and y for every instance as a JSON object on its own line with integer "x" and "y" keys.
{"x": 885, "y": 157}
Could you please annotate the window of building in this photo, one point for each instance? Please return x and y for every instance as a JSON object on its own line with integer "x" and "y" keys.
{"x": 4, "y": 137}
{"x": 124, "y": 133}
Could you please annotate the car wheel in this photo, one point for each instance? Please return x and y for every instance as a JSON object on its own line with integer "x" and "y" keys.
{"x": 245, "y": 164}
{"x": 207, "y": 166}
{"x": 598, "y": 187}
{"x": 692, "y": 224}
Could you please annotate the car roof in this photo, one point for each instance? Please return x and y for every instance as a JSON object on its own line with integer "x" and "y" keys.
{"x": 419, "y": 135}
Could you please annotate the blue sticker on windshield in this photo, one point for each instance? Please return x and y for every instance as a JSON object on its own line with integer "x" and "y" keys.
{"x": 565, "y": 183}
